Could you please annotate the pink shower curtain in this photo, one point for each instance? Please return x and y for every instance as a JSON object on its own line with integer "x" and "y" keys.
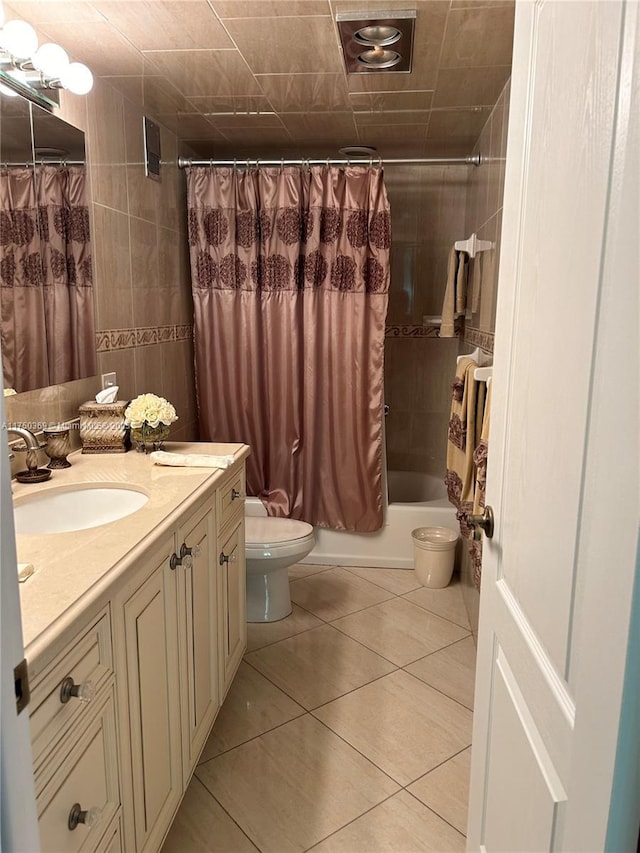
{"x": 48, "y": 328}
{"x": 290, "y": 278}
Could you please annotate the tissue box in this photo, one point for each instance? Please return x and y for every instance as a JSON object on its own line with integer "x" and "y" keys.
{"x": 102, "y": 427}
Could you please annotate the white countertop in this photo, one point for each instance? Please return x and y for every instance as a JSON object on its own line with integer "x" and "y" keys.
{"x": 73, "y": 570}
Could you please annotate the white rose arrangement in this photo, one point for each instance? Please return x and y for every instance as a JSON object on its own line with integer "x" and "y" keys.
{"x": 151, "y": 410}
{"x": 149, "y": 417}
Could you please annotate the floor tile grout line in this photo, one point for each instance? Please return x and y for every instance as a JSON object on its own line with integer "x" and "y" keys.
{"x": 433, "y": 612}
{"x": 353, "y": 820}
{"x": 329, "y": 701}
{"x": 255, "y": 737}
{"x": 438, "y": 690}
{"x": 398, "y": 594}
{"x": 437, "y": 814}
{"x": 230, "y": 816}
{"x": 361, "y": 754}
{"x": 375, "y": 651}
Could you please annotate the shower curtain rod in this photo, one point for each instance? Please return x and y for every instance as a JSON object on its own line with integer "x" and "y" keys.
{"x": 23, "y": 164}
{"x": 472, "y": 160}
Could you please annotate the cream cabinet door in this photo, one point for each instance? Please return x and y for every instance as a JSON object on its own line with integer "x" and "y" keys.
{"x": 198, "y": 631}
{"x": 152, "y": 682}
{"x": 232, "y": 636}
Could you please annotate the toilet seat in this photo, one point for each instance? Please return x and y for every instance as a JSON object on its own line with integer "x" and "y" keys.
{"x": 260, "y": 533}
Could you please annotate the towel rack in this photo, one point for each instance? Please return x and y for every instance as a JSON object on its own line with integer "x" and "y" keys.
{"x": 479, "y": 356}
{"x": 472, "y": 246}
{"x": 483, "y": 374}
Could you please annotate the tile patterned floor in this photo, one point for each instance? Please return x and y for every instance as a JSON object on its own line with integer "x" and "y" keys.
{"x": 347, "y": 728}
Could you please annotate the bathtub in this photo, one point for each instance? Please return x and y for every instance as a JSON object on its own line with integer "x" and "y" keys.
{"x": 415, "y": 500}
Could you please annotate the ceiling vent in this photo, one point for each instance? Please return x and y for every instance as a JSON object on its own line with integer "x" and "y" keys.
{"x": 377, "y": 42}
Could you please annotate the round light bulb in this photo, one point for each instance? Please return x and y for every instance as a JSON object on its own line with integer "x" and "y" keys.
{"x": 19, "y": 39}
{"x": 50, "y": 59}
{"x": 77, "y": 78}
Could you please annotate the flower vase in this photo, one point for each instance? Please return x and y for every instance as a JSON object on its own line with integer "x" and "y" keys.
{"x": 147, "y": 438}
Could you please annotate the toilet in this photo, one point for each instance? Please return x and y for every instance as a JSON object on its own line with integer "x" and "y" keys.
{"x": 272, "y": 545}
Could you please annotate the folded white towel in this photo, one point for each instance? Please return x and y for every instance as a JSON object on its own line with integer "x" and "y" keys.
{"x": 191, "y": 460}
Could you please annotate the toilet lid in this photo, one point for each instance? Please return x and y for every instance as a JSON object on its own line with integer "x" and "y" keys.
{"x": 271, "y": 530}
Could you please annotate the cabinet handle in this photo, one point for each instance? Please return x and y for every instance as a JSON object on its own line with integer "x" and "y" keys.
{"x": 174, "y": 562}
{"x": 227, "y": 558}
{"x": 89, "y": 818}
{"x": 187, "y": 555}
{"x": 68, "y": 688}
{"x": 235, "y": 494}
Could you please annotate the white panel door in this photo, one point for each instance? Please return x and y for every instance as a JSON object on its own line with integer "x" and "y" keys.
{"x": 563, "y": 455}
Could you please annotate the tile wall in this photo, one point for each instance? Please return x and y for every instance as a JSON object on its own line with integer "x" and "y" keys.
{"x": 484, "y": 216}
{"x": 428, "y": 210}
{"x": 144, "y": 312}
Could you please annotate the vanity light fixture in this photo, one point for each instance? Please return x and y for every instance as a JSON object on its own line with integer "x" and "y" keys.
{"x": 381, "y": 41}
{"x": 36, "y": 72}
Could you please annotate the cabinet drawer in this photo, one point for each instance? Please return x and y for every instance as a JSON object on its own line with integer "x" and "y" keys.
{"x": 230, "y": 498}
{"x": 86, "y": 775}
{"x": 87, "y": 659}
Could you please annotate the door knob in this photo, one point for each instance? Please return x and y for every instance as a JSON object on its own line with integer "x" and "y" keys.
{"x": 482, "y": 522}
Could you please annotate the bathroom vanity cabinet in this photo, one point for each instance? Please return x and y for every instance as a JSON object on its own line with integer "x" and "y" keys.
{"x": 151, "y": 664}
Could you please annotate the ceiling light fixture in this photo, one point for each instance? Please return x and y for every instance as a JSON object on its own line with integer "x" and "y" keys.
{"x": 366, "y": 39}
{"x": 379, "y": 58}
{"x": 377, "y": 34}
{"x": 34, "y": 72}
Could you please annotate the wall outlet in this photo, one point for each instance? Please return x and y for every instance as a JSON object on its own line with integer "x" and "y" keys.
{"x": 108, "y": 380}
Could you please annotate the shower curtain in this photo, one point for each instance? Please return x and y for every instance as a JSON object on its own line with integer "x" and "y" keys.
{"x": 290, "y": 279}
{"x": 48, "y": 329}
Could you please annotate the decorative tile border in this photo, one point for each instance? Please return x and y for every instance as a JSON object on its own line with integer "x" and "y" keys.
{"x": 415, "y": 331}
{"x": 144, "y": 336}
{"x": 478, "y": 338}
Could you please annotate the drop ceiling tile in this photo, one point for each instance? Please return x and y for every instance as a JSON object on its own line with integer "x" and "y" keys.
{"x": 162, "y": 25}
{"x": 195, "y": 126}
{"x": 291, "y": 93}
{"x": 231, "y": 104}
{"x": 97, "y": 44}
{"x": 46, "y": 12}
{"x": 464, "y": 87}
{"x": 256, "y": 141}
{"x": 478, "y": 37}
{"x": 203, "y": 73}
{"x": 161, "y": 96}
{"x": 287, "y": 45}
{"x": 311, "y": 126}
{"x": 392, "y": 133}
{"x": 366, "y": 119}
{"x": 255, "y": 122}
{"x": 380, "y": 101}
{"x": 269, "y": 8}
{"x": 457, "y": 122}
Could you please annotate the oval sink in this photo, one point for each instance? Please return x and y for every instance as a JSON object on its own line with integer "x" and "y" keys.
{"x": 75, "y": 509}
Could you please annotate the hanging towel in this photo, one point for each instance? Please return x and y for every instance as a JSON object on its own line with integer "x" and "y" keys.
{"x": 480, "y": 463}
{"x": 460, "y": 477}
{"x": 476, "y": 283}
{"x": 447, "y": 329}
{"x": 191, "y": 460}
{"x": 461, "y": 283}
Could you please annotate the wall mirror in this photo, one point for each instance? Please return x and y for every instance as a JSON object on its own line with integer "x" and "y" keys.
{"x": 46, "y": 275}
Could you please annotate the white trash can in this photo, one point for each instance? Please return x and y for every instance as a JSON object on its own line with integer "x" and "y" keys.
{"x": 434, "y": 551}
